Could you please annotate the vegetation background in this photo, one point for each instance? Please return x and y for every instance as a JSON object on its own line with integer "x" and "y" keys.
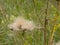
{"x": 36, "y": 10}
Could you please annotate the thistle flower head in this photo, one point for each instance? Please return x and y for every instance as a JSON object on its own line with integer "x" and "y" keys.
{"x": 21, "y": 23}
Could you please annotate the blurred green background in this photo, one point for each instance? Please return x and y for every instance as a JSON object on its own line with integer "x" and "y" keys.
{"x": 31, "y": 10}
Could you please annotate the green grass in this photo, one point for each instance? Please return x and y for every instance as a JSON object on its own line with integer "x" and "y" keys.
{"x": 9, "y": 9}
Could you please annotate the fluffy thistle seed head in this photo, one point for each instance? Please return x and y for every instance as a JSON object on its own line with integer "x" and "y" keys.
{"x": 21, "y": 23}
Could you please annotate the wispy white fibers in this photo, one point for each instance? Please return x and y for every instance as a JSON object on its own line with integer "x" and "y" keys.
{"x": 21, "y": 23}
{"x": 58, "y": 43}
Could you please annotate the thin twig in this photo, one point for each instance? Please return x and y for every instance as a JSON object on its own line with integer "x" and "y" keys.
{"x": 46, "y": 23}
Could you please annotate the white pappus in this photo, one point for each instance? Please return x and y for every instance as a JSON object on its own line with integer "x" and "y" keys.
{"x": 23, "y": 24}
